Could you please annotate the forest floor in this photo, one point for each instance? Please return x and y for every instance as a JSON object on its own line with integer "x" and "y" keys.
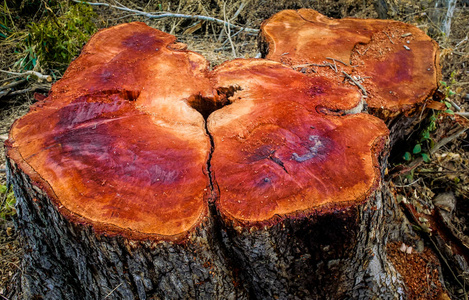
{"x": 440, "y": 185}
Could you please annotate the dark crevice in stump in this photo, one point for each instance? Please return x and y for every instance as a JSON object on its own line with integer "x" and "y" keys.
{"x": 207, "y": 105}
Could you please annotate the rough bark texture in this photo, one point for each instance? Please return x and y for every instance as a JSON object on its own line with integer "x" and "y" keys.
{"x": 64, "y": 260}
{"x": 272, "y": 181}
{"x": 338, "y": 255}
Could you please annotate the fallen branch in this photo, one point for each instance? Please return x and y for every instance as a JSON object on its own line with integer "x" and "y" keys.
{"x": 7, "y": 89}
{"x": 48, "y": 78}
{"x": 171, "y": 15}
{"x": 446, "y": 140}
{"x": 455, "y": 105}
{"x": 12, "y": 85}
{"x": 33, "y": 88}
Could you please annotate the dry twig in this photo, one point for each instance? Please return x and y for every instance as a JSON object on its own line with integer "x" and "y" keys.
{"x": 48, "y": 78}
{"x": 308, "y": 65}
{"x": 227, "y": 29}
{"x": 334, "y": 59}
{"x": 110, "y": 293}
{"x": 5, "y": 298}
{"x": 356, "y": 83}
{"x": 12, "y": 85}
{"x": 33, "y": 88}
{"x": 163, "y": 15}
{"x": 388, "y": 37}
{"x": 7, "y": 89}
{"x": 332, "y": 66}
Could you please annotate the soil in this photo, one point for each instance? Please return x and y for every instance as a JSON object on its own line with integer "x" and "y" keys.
{"x": 448, "y": 170}
{"x": 420, "y": 271}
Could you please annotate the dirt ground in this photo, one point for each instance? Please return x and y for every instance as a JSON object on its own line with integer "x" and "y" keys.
{"x": 447, "y": 173}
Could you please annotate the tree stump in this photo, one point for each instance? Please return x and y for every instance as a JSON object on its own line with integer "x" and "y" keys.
{"x": 145, "y": 175}
{"x": 395, "y": 65}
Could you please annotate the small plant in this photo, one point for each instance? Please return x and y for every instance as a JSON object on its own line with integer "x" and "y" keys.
{"x": 4, "y": 31}
{"x": 7, "y": 202}
{"x": 449, "y": 92}
{"x": 7, "y": 25}
{"x": 424, "y": 141}
{"x": 56, "y": 40}
{"x": 424, "y": 138}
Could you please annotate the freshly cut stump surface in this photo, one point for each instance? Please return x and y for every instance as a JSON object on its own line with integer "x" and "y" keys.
{"x": 119, "y": 143}
{"x": 147, "y": 175}
{"x": 396, "y": 63}
{"x": 275, "y": 155}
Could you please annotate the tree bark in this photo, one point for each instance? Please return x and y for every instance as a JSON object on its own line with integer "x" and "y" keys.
{"x": 147, "y": 176}
{"x": 65, "y": 260}
{"x": 339, "y": 255}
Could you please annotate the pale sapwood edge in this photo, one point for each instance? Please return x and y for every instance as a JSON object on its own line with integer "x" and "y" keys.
{"x": 171, "y": 15}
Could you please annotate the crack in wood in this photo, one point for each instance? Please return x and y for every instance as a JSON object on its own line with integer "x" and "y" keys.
{"x": 277, "y": 161}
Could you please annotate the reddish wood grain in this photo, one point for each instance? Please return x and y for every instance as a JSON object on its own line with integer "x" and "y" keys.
{"x": 117, "y": 142}
{"x": 121, "y": 141}
{"x": 275, "y": 154}
{"x": 399, "y": 63}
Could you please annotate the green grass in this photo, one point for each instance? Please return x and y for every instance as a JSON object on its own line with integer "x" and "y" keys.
{"x": 57, "y": 38}
{"x": 7, "y": 203}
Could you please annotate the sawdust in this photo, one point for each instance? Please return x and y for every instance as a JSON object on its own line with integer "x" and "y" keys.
{"x": 419, "y": 271}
